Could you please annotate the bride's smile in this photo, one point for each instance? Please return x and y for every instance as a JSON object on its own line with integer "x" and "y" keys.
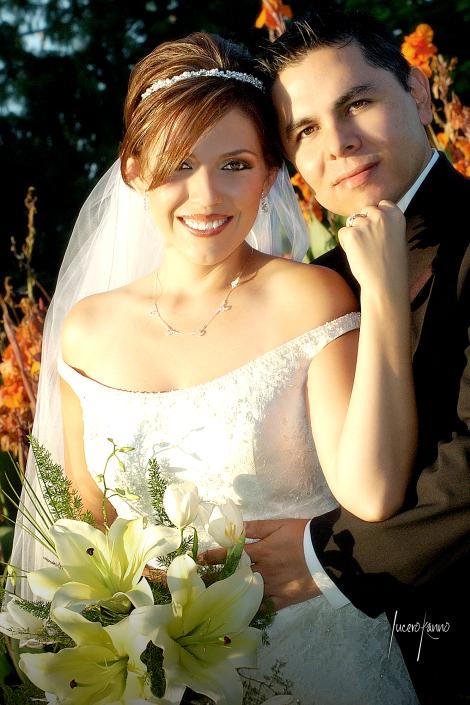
{"x": 205, "y": 225}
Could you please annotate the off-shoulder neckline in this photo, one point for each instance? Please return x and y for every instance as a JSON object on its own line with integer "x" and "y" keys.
{"x": 353, "y": 315}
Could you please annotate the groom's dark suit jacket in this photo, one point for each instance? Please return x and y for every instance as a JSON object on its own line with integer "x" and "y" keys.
{"x": 416, "y": 565}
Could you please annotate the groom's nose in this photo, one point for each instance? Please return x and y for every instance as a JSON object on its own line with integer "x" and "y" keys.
{"x": 340, "y": 139}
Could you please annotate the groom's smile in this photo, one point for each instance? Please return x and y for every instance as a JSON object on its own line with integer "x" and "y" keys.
{"x": 352, "y": 130}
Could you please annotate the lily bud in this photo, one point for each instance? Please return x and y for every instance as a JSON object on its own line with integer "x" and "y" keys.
{"x": 181, "y": 503}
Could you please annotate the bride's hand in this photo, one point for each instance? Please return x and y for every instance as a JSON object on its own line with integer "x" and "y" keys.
{"x": 376, "y": 248}
{"x": 156, "y": 575}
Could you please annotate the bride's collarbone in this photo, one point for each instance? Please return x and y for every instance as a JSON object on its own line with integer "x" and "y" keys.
{"x": 156, "y": 362}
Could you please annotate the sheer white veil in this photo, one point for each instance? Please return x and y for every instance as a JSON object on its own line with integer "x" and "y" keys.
{"x": 114, "y": 242}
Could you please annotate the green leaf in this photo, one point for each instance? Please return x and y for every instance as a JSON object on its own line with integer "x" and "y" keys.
{"x": 6, "y": 540}
{"x": 6, "y": 668}
{"x": 152, "y": 657}
{"x": 233, "y": 558}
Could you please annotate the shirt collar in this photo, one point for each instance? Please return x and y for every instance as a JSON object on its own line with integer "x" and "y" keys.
{"x": 405, "y": 200}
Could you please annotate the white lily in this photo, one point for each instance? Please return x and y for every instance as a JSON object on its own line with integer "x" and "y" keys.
{"x": 204, "y": 633}
{"x": 104, "y": 667}
{"x": 181, "y": 503}
{"x": 102, "y": 568}
{"x": 225, "y": 524}
{"x": 17, "y": 623}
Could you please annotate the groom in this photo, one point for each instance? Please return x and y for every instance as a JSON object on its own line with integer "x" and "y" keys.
{"x": 352, "y": 118}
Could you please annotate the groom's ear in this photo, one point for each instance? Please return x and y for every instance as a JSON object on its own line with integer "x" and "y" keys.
{"x": 421, "y": 92}
{"x": 133, "y": 175}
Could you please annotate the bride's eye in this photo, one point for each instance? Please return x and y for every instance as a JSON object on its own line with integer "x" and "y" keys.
{"x": 184, "y": 165}
{"x": 236, "y": 165}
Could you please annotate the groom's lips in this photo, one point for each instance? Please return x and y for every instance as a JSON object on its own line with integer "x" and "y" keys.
{"x": 357, "y": 176}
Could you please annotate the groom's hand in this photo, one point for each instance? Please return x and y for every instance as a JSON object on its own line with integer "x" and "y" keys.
{"x": 278, "y": 555}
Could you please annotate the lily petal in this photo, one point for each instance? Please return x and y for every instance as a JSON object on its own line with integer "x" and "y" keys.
{"x": 17, "y": 623}
{"x": 230, "y": 603}
{"x": 222, "y": 684}
{"x": 76, "y": 675}
{"x": 184, "y": 581}
{"x": 140, "y": 596}
{"x": 75, "y": 596}
{"x": 82, "y": 631}
{"x": 73, "y": 539}
{"x": 45, "y": 582}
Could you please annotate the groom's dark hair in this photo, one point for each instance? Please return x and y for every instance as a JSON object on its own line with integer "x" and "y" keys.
{"x": 332, "y": 27}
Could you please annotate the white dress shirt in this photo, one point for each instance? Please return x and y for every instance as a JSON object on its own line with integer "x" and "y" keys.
{"x": 332, "y": 593}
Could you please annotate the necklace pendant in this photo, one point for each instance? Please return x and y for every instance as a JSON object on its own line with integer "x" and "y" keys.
{"x": 201, "y": 332}
{"x": 224, "y": 307}
{"x": 170, "y": 331}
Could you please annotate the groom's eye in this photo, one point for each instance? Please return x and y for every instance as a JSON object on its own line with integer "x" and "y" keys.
{"x": 357, "y": 105}
{"x": 307, "y": 131}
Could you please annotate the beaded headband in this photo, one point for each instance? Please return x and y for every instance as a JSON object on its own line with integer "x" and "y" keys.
{"x": 237, "y": 75}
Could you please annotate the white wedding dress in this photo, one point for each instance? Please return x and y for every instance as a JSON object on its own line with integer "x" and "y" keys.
{"x": 245, "y": 435}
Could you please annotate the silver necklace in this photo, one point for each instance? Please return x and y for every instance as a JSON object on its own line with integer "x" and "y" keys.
{"x": 224, "y": 306}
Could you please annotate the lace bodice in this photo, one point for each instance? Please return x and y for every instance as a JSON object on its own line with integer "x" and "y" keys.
{"x": 244, "y": 435}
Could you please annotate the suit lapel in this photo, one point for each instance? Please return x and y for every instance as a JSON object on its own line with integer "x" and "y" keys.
{"x": 425, "y": 225}
{"x": 421, "y": 265}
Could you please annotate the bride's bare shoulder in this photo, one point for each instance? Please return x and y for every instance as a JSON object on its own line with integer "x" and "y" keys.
{"x": 319, "y": 291}
{"x": 91, "y": 323}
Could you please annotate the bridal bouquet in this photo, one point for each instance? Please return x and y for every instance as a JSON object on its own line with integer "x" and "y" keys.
{"x": 99, "y": 632}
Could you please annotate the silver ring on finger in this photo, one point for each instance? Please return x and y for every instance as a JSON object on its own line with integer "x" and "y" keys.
{"x": 351, "y": 218}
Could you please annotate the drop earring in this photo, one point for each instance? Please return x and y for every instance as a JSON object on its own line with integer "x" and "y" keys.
{"x": 264, "y": 203}
{"x": 146, "y": 201}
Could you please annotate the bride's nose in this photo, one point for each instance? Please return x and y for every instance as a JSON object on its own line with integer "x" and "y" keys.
{"x": 204, "y": 188}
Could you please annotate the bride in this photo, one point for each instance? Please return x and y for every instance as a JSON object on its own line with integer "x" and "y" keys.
{"x": 179, "y": 328}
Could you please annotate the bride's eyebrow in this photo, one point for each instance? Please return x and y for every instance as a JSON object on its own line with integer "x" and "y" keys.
{"x": 229, "y": 155}
{"x": 237, "y": 152}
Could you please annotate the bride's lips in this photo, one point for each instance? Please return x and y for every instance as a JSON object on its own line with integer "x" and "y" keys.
{"x": 356, "y": 177}
{"x": 205, "y": 225}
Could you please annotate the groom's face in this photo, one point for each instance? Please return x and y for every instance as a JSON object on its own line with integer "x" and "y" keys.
{"x": 354, "y": 133}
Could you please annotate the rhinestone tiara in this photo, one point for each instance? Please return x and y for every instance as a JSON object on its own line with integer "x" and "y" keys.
{"x": 220, "y": 73}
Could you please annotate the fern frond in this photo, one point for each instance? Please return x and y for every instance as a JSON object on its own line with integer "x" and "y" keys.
{"x": 63, "y": 500}
{"x": 157, "y": 485}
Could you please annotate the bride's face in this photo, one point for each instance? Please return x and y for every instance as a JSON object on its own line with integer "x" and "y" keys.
{"x": 208, "y": 206}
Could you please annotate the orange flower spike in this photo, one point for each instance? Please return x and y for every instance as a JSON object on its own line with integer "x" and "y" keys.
{"x": 463, "y": 166}
{"x": 308, "y": 203}
{"x": 443, "y": 139}
{"x": 418, "y": 49}
{"x": 463, "y": 146}
{"x": 268, "y": 16}
{"x": 302, "y": 185}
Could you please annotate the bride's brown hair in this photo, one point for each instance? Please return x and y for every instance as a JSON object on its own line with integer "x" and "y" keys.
{"x": 162, "y": 129}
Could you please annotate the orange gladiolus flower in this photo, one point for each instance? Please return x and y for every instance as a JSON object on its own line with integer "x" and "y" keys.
{"x": 443, "y": 139}
{"x": 464, "y": 146}
{"x": 418, "y": 49}
{"x": 307, "y": 201}
{"x": 15, "y": 403}
{"x": 272, "y": 10}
